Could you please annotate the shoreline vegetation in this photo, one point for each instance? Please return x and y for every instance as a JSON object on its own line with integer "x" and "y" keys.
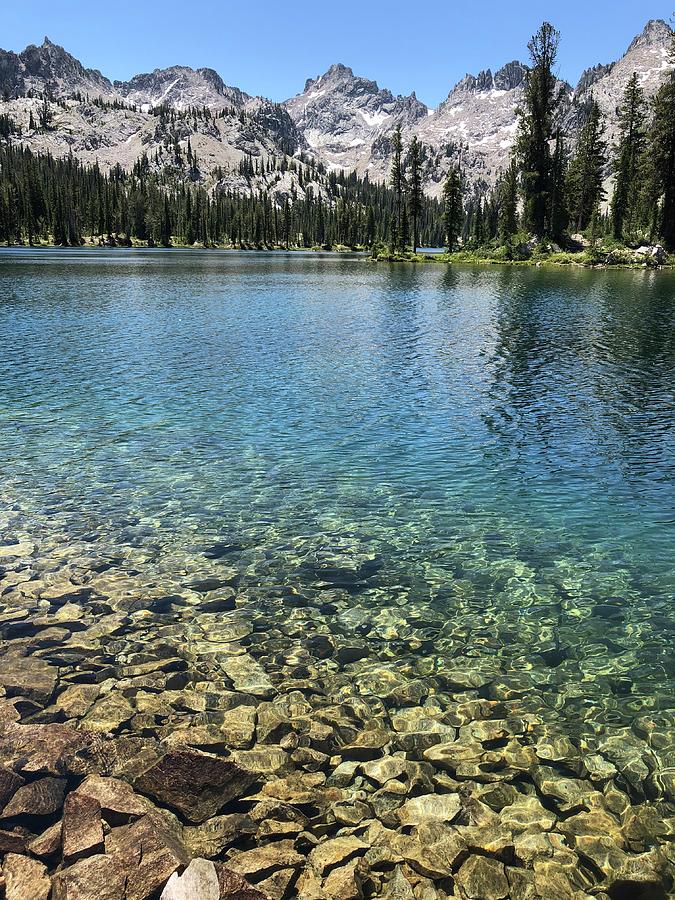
{"x": 604, "y": 256}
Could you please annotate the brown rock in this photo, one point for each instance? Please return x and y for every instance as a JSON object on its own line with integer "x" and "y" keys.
{"x": 82, "y": 833}
{"x": 38, "y": 798}
{"x": 48, "y": 843}
{"x": 194, "y": 784}
{"x": 266, "y": 859}
{"x": 13, "y": 841}
{"x": 148, "y": 854}
{"x": 429, "y": 807}
{"x": 117, "y": 799}
{"x": 213, "y": 836}
{"x": 25, "y": 878}
{"x": 39, "y": 748}
{"x": 10, "y": 783}
{"x": 29, "y": 677}
{"x": 95, "y": 878}
{"x": 333, "y": 852}
{"x": 234, "y": 887}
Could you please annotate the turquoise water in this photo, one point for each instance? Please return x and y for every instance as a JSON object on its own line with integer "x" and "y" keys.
{"x": 492, "y": 447}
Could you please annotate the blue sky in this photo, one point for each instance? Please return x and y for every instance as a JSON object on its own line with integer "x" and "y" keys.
{"x": 270, "y": 48}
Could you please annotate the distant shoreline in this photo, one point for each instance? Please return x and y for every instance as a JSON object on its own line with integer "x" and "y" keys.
{"x": 460, "y": 258}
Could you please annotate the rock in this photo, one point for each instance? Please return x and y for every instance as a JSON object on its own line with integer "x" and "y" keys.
{"x": 39, "y": 748}
{"x": 148, "y": 853}
{"x": 25, "y": 878}
{"x": 10, "y": 783}
{"x": 194, "y": 784}
{"x": 28, "y": 677}
{"x": 108, "y": 713}
{"x": 38, "y": 798}
{"x": 367, "y": 744}
{"x": 234, "y": 887}
{"x": 238, "y": 727}
{"x": 213, "y": 836}
{"x": 483, "y": 879}
{"x": 48, "y": 843}
{"x": 116, "y": 798}
{"x": 77, "y": 700}
{"x": 346, "y": 882}
{"x": 333, "y": 852}
{"x": 247, "y": 675}
{"x": 94, "y": 878}
{"x": 198, "y": 882}
{"x": 82, "y": 833}
{"x": 398, "y": 887}
{"x": 13, "y": 841}
{"x": 430, "y": 807}
{"x": 266, "y": 859}
{"x": 264, "y": 760}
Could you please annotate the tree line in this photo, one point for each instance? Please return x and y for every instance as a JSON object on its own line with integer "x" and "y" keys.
{"x": 47, "y": 199}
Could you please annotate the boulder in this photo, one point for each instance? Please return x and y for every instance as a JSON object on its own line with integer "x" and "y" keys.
{"x": 429, "y": 807}
{"x": 194, "y": 784}
{"x": 82, "y": 830}
{"x": 25, "y": 878}
{"x": 117, "y": 800}
{"x": 38, "y": 798}
{"x": 198, "y": 882}
{"x": 247, "y": 675}
{"x": 29, "y": 677}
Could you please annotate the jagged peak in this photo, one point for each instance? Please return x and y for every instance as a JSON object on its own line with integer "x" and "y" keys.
{"x": 655, "y": 32}
{"x": 510, "y": 76}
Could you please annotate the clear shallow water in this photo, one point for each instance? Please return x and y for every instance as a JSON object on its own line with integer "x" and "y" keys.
{"x": 460, "y": 467}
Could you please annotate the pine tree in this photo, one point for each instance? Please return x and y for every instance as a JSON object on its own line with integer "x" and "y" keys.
{"x": 661, "y": 157}
{"x": 398, "y": 185}
{"x": 537, "y": 128}
{"x": 453, "y": 213}
{"x": 585, "y": 173}
{"x": 629, "y": 159}
{"x": 508, "y": 204}
{"x": 558, "y": 216}
{"x": 415, "y": 193}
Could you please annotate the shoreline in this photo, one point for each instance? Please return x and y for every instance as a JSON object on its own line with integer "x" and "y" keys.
{"x": 461, "y": 258}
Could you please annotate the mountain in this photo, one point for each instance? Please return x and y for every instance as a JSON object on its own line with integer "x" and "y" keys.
{"x": 181, "y": 88}
{"x": 342, "y": 115}
{"x": 49, "y": 69}
{"x": 343, "y": 120}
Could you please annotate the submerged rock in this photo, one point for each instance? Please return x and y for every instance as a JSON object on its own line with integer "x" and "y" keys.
{"x": 196, "y": 785}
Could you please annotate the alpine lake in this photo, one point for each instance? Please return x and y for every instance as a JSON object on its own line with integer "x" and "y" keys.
{"x": 355, "y": 580}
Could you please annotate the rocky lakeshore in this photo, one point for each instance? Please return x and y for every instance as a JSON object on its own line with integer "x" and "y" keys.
{"x": 202, "y": 730}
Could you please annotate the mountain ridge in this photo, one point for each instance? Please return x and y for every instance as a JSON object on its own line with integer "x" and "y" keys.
{"x": 343, "y": 119}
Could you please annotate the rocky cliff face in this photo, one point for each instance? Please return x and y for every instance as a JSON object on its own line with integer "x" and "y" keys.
{"x": 180, "y": 88}
{"x": 344, "y": 120}
{"x": 49, "y": 69}
{"x": 342, "y": 115}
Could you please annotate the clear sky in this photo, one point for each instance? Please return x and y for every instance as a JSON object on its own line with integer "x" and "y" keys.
{"x": 270, "y": 48}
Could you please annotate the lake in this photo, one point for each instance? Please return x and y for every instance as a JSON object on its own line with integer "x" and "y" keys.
{"x": 430, "y": 508}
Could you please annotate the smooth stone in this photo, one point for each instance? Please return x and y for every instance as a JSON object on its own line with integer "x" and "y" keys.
{"x": 429, "y": 807}
{"x": 109, "y": 713}
{"x": 198, "y": 882}
{"x": 247, "y": 675}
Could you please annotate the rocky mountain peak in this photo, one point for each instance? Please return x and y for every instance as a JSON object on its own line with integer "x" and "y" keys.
{"x": 510, "y": 76}
{"x": 656, "y": 31}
